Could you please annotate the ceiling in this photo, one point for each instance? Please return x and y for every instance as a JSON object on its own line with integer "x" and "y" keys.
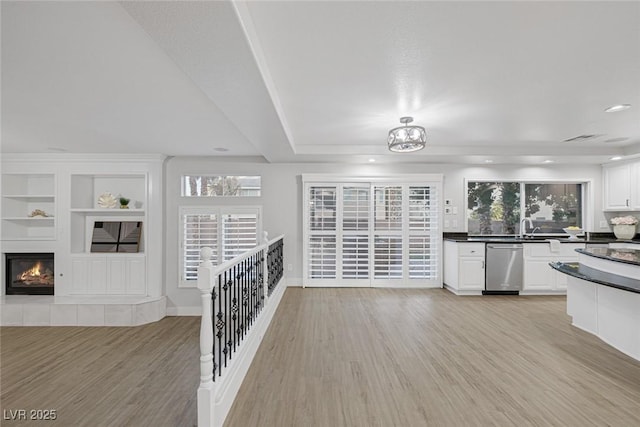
{"x": 323, "y": 81}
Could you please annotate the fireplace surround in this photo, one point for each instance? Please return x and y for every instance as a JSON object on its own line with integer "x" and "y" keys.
{"x": 29, "y": 273}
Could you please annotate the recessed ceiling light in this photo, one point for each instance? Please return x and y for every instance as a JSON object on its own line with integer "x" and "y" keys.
{"x": 220, "y": 149}
{"x": 488, "y": 161}
{"x": 372, "y": 160}
{"x": 548, "y": 161}
{"x": 616, "y": 158}
{"x": 57, "y": 149}
{"x": 616, "y": 108}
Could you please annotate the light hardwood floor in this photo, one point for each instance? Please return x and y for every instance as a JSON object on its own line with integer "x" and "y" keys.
{"x": 339, "y": 357}
{"x": 379, "y": 357}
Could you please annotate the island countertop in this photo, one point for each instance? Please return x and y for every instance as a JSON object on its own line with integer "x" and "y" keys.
{"x": 627, "y": 256}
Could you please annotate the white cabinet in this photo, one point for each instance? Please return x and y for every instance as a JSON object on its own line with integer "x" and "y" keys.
{"x": 28, "y": 206}
{"x": 539, "y": 277}
{"x": 621, "y": 187}
{"x": 109, "y": 274}
{"x": 464, "y": 265}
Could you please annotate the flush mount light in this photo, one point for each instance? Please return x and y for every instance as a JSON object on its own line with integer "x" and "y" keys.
{"x": 548, "y": 161}
{"x": 372, "y": 160}
{"x": 406, "y": 139}
{"x": 488, "y": 161}
{"x": 616, "y": 108}
{"x": 616, "y": 158}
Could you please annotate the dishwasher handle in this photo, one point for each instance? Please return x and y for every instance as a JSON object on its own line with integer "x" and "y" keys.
{"x": 504, "y": 246}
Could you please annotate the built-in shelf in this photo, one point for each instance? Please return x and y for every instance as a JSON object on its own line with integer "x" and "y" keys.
{"x": 22, "y": 194}
{"x": 99, "y": 211}
{"x": 32, "y": 197}
{"x": 29, "y": 219}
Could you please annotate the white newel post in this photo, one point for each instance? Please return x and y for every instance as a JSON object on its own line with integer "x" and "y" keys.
{"x": 265, "y": 268}
{"x": 206, "y": 281}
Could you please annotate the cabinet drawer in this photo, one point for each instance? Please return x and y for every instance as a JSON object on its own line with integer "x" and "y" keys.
{"x": 471, "y": 249}
{"x": 544, "y": 250}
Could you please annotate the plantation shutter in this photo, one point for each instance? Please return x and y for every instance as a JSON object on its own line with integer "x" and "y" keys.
{"x": 199, "y": 230}
{"x": 424, "y": 236}
{"x": 355, "y": 232}
{"x": 239, "y": 234}
{"x": 388, "y": 213}
{"x": 322, "y": 228}
{"x": 382, "y": 231}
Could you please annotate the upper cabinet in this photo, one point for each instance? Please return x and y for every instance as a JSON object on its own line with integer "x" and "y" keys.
{"x": 621, "y": 187}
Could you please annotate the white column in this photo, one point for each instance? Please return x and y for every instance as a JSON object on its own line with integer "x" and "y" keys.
{"x": 206, "y": 281}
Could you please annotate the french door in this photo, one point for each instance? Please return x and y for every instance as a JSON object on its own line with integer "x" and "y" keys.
{"x": 372, "y": 233}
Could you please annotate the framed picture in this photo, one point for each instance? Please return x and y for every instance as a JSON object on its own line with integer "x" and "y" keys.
{"x": 116, "y": 236}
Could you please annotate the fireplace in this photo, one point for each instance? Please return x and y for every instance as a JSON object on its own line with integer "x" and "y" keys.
{"x": 29, "y": 274}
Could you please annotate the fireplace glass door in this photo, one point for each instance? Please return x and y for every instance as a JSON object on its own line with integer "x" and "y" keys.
{"x": 29, "y": 274}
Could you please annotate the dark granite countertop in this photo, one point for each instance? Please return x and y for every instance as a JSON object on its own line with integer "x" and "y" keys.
{"x": 599, "y": 238}
{"x": 627, "y": 256}
{"x": 596, "y": 276}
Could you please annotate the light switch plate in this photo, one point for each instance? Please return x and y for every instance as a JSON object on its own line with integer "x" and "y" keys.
{"x": 447, "y": 202}
{"x": 454, "y": 210}
{"x": 447, "y": 210}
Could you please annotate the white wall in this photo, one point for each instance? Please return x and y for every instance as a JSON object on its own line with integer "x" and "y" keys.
{"x": 282, "y": 206}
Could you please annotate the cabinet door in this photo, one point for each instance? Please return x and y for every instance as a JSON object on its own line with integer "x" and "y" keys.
{"x": 79, "y": 275}
{"x": 97, "y": 277}
{"x": 538, "y": 275}
{"x": 136, "y": 276}
{"x": 635, "y": 187}
{"x": 617, "y": 187}
{"x": 116, "y": 276}
{"x": 471, "y": 273}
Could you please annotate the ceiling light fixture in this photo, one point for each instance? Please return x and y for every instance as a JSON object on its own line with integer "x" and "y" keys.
{"x": 616, "y": 158}
{"x": 616, "y": 108}
{"x": 406, "y": 139}
{"x": 372, "y": 160}
{"x": 548, "y": 161}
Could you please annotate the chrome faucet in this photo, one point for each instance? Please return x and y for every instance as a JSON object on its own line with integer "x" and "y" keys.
{"x": 522, "y": 227}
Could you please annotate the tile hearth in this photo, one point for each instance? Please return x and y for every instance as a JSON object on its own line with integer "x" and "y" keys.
{"x": 44, "y": 310}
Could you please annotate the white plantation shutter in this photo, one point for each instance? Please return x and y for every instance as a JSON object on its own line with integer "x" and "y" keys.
{"x": 199, "y": 230}
{"x": 424, "y": 233}
{"x": 238, "y": 234}
{"x": 355, "y": 232}
{"x": 372, "y": 232}
{"x": 388, "y": 215}
{"x": 322, "y": 257}
{"x": 229, "y": 231}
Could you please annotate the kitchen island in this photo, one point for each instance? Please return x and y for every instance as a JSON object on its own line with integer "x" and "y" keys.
{"x": 603, "y": 295}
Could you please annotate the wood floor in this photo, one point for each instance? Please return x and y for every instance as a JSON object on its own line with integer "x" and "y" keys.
{"x": 338, "y": 357}
{"x": 129, "y": 376}
{"x": 375, "y": 357}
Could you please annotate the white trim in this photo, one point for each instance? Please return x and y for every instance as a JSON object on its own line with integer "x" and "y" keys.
{"x": 391, "y": 178}
{"x": 184, "y": 311}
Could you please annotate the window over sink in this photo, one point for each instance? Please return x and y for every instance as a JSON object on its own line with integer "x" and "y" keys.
{"x": 498, "y": 207}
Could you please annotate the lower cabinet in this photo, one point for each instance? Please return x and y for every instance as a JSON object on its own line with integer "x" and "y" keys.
{"x": 108, "y": 274}
{"x": 539, "y": 277}
{"x": 464, "y": 265}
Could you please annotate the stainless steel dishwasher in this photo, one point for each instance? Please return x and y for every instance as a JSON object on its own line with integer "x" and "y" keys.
{"x": 503, "y": 273}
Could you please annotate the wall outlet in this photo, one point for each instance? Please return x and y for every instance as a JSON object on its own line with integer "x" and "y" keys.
{"x": 289, "y": 267}
{"x": 447, "y": 210}
{"x": 455, "y": 223}
{"x": 447, "y": 202}
{"x": 454, "y": 210}
{"x": 446, "y": 223}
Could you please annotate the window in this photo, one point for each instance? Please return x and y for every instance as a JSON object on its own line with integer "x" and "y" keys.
{"x": 498, "y": 207}
{"x": 372, "y": 233}
{"x": 229, "y": 231}
{"x": 214, "y": 185}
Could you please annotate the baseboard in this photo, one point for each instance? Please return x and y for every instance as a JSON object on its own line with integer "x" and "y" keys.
{"x": 184, "y": 311}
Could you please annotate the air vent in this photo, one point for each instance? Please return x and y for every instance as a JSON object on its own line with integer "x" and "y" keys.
{"x": 619, "y": 139}
{"x": 583, "y": 138}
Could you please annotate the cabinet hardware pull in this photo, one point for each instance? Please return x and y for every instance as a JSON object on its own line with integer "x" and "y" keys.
{"x": 483, "y": 265}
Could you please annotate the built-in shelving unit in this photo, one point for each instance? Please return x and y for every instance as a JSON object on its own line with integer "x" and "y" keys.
{"x": 22, "y": 194}
{"x": 86, "y": 190}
